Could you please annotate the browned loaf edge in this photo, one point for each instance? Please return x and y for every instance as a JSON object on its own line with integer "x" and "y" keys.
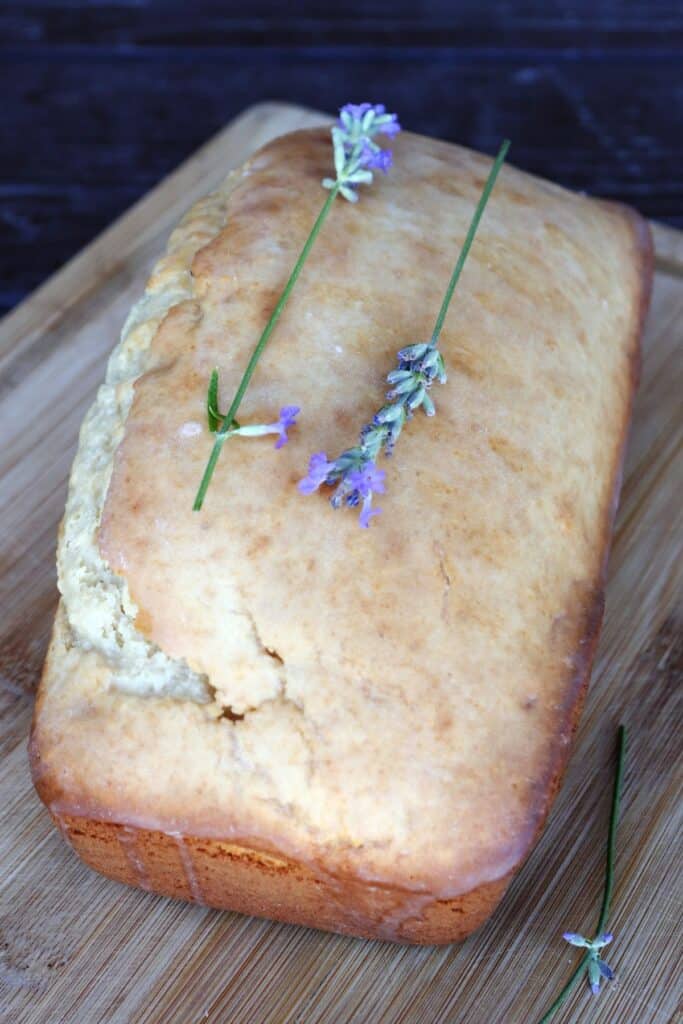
{"x": 238, "y": 875}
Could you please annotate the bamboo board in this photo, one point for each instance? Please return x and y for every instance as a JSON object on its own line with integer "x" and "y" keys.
{"x": 75, "y": 947}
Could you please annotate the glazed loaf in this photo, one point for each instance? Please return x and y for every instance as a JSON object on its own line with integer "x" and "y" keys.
{"x": 262, "y": 706}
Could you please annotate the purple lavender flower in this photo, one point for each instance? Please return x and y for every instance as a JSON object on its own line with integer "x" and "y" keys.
{"x": 366, "y": 514}
{"x": 367, "y": 479}
{"x": 376, "y": 159}
{"x": 386, "y": 124}
{"x": 597, "y": 968}
{"x": 578, "y": 940}
{"x": 287, "y": 419}
{"x": 356, "y": 154}
{"x": 355, "y": 471}
{"x": 357, "y": 479}
{"x": 363, "y": 482}
{"x": 318, "y": 470}
{"x": 356, "y": 110}
{"x": 605, "y": 970}
{"x": 392, "y": 127}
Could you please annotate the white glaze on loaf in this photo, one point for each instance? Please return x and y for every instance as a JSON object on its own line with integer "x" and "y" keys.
{"x": 399, "y": 701}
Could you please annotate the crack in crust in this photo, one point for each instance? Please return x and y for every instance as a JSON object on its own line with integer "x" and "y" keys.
{"x": 100, "y": 610}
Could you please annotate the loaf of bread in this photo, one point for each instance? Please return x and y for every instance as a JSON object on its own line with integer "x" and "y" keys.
{"x": 263, "y": 707}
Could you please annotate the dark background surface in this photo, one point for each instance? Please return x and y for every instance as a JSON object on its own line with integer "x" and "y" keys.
{"x": 100, "y": 100}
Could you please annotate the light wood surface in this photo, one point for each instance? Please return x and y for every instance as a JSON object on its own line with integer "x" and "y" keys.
{"x": 75, "y": 947}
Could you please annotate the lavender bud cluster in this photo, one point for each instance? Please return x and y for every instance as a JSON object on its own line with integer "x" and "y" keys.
{"x": 354, "y": 473}
{"x": 597, "y": 969}
{"x": 356, "y": 154}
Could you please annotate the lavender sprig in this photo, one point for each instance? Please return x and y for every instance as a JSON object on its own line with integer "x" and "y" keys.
{"x": 591, "y": 963}
{"x": 286, "y": 419}
{"x": 354, "y": 473}
{"x": 356, "y": 155}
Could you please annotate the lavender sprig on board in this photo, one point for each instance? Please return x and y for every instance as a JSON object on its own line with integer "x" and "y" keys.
{"x": 356, "y": 155}
{"x": 591, "y": 962}
{"x": 354, "y": 473}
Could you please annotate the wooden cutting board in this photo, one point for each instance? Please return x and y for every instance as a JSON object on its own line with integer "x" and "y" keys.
{"x": 75, "y": 947}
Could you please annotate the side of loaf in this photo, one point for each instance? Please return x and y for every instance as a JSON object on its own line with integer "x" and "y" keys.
{"x": 263, "y": 708}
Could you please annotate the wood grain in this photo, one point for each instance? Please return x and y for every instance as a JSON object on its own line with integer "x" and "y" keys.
{"x": 75, "y": 947}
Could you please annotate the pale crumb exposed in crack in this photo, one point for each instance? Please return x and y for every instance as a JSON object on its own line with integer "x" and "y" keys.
{"x": 99, "y": 608}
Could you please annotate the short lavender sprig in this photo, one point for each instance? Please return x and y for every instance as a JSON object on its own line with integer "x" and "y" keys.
{"x": 286, "y": 419}
{"x": 216, "y": 419}
{"x": 356, "y": 155}
{"x": 354, "y": 473}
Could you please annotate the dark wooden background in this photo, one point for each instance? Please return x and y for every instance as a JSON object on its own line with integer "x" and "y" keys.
{"x": 101, "y": 99}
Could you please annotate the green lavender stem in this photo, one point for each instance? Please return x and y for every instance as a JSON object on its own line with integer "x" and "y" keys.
{"x": 469, "y": 238}
{"x": 228, "y": 420}
{"x": 609, "y": 874}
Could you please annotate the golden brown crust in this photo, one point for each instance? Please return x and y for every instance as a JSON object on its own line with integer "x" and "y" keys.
{"x": 589, "y": 633}
{"x": 266, "y": 846}
{"x": 229, "y": 876}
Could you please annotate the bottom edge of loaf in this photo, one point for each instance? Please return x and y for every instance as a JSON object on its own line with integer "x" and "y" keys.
{"x": 227, "y": 876}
